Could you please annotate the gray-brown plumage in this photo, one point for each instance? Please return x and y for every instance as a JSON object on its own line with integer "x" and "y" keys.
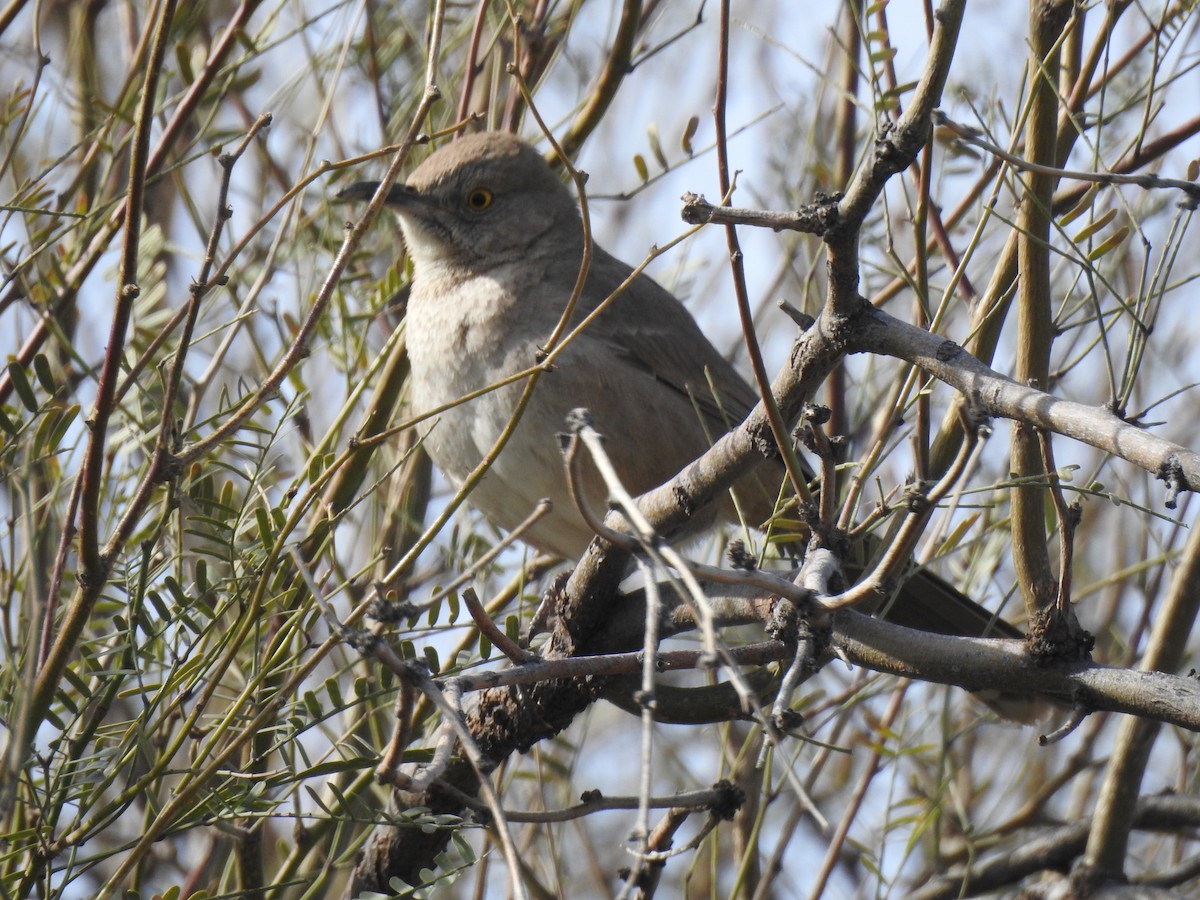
{"x": 496, "y": 243}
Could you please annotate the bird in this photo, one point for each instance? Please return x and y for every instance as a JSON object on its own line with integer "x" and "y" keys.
{"x": 496, "y": 242}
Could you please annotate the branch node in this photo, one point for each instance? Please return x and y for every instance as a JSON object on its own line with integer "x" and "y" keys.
{"x": 1055, "y": 638}
{"x": 1171, "y": 471}
{"x": 386, "y": 610}
{"x": 360, "y": 639}
{"x": 948, "y": 351}
{"x": 727, "y": 800}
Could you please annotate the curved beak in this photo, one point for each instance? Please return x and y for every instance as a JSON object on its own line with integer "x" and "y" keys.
{"x": 399, "y": 195}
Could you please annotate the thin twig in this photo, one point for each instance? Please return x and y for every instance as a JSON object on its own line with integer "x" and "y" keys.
{"x": 1149, "y": 181}
{"x": 797, "y": 475}
{"x": 900, "y": 549}
{"x": 489, "y": 629}
{"x": 540, "y": 511}
{"x": 594, "y": 802}
{"x": 95, "y": 565}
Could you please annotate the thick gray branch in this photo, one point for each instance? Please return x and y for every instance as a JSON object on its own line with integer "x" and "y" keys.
{"x": 999, "y": 395}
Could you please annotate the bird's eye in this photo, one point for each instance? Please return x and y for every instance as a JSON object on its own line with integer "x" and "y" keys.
{"x": 480, "y": 199}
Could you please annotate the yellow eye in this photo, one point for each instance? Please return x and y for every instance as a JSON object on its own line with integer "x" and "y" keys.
{"x": 480, "y": 199}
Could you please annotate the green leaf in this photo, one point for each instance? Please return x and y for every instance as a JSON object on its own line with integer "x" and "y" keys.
{"x": 313, "y": 705}
{"x": 1084, "y": 204}
{"x": 463, "y": 846}
{"x": 333, "y": 688}
{"x": 689, "y": 134}
{"x": 656, "y": 145}
{"x": 62, "y": 423}
{"x": 45, "y": 377}
{"x": 177, "y": 591}
{"x": 160, "y": 606}
{"x": 263, "y": 518}
{"x": 1095, "y": 225}
{"x": 956, "y": 535}
{"x": 1110, "y": 243}
{"x": 455, "y": 606}
{"x": 316, "y": 798}
{"x": 183, "y": 59}
{"x": 20, "y": 383}
{"x": 316, "y": 465}
{"x": 78, "y": 688}
{"x": 41, "y": 438}
{"x": 335, "y": 767}
{"x": 639, "y": 163}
